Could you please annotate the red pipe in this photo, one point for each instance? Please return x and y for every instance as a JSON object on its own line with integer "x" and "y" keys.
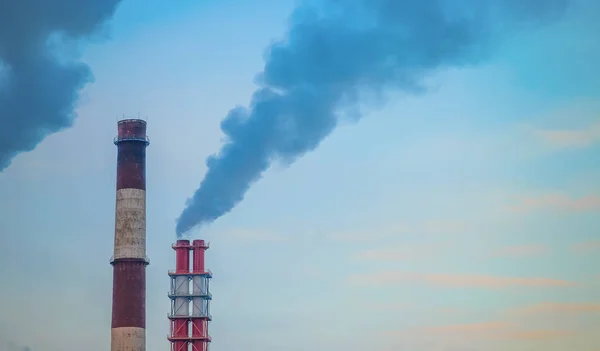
{"x": 182, "y": 253}
{"x": 199, "y": 329}
{"x": 182, "y": 265}
{"x": 199, "y": 326}
{"x": 199, "y": 247}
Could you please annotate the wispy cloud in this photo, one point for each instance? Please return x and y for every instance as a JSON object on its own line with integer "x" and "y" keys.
{"x": 586, "y": 247}
{"x": 575, "y": 138}
{"x": 557, "y": 202}
{"x": 520, "y": 250}
{"x": 492, "y": 331}
{"x": 362, "y": 235}
{"x": 432, "y": 227}
{"x": 540, "y": 323}
{"x": 557, "y": 308}
{"x": 421, "y": 309}
{"x": 458, "y": 280}
{"x": 404, "y": 252}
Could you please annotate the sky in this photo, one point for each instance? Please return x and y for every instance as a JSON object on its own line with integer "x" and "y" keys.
{"x": 463, "y": 218}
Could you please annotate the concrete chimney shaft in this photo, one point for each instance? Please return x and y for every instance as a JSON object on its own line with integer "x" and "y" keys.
{"x": 129, "y": 262}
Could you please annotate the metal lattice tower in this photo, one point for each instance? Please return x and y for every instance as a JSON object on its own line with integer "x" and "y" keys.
{"x": 190, "y": 308}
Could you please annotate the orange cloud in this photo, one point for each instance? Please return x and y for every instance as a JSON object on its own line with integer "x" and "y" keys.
{"x": 571, "y": 137}
{"x": 525, "y": 250}
{"x": 554, "y": 308}
{"x": 432, "y": 227}
{"x": 465, "y": 328}
{"x": 417, "y": 308}
{"x": 458, "y": 280}
{"x": 559, "y": 202}
{"x": 586, "y": 247}
{"x": 488, "y": 331}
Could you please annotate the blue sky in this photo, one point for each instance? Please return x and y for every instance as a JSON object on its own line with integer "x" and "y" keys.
{"x": 463, "y": 218}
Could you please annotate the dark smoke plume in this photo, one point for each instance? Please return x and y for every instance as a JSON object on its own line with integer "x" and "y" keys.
{"x": 38, "y": 91}
{"x": 333, "y": 51}
{"x": 13, "y": 347}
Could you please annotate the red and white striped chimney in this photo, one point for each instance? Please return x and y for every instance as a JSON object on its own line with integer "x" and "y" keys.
{"x": 129, "y": 261}
{"x": 189, "y": 326}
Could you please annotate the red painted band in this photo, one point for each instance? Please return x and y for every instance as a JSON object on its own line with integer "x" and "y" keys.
{"x": 182, "y": 256}
{"x": 129, "y": 294}
{"x": 198, "y": 256}
{"x": 131, "y": 165}
{"x": 131, "y": 128}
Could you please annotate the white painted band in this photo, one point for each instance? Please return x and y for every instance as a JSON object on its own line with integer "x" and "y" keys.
{"x": 182, "y": 287}
{"x": 182, "y": 306}
{"x": 130, "y": 224}
{"x": 128, "y": 339}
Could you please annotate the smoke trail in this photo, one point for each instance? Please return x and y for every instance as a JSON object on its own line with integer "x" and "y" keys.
{"x": 38, "y": 91}
{"x": 13, "y": 347}
{"x": 332, "y": 52}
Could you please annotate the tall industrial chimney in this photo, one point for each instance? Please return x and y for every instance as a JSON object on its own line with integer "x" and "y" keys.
{"x": 189, "y": 326}
{"x": 129, "y": 261}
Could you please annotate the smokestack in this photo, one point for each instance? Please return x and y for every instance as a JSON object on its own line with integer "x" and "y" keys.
{"x": 129, "y": 261}
{"x": 181, "y": 317}
{"x": 180, "y": 296}
{"x": 201, "y": 298}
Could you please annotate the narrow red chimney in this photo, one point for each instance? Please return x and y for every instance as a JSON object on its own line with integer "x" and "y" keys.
{"x": 201, "y": 300}
{"x": 180, "y": 296}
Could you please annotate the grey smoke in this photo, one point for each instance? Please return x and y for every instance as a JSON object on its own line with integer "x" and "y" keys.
{"x": 333, "y": 51}
{"x": 13, "y": 347}
{"x": 38, "y": 91}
